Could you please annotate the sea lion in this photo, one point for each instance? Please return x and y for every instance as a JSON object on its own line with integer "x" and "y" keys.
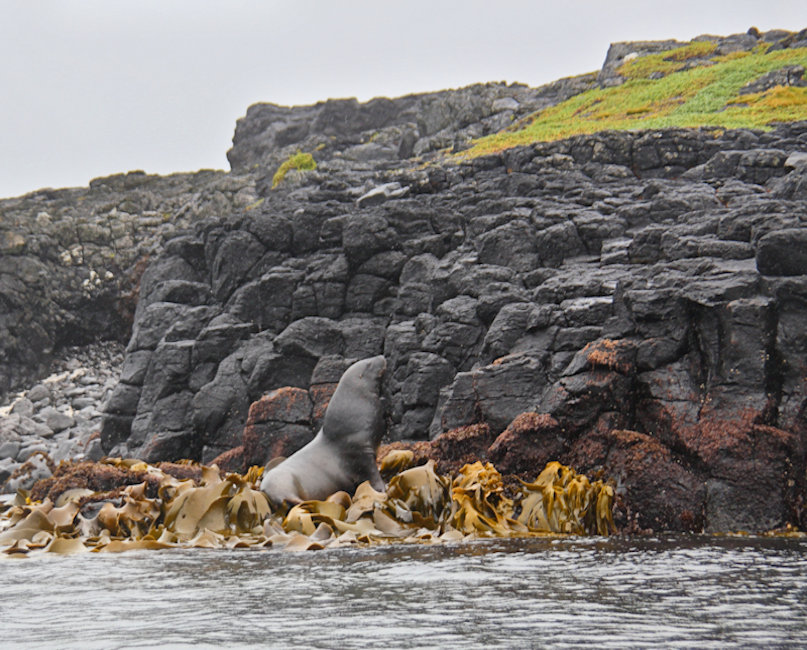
{"x": 342, "y": 454}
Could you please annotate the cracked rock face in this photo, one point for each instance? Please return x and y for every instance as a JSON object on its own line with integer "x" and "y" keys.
{"x": 641, "y": 290}
{"x": 627, "y": 302}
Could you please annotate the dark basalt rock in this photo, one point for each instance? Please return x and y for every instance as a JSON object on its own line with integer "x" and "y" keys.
{"x": 582, "y": 313}
{"x": 71, "y": 261}
{"x": 783, "y": 252}
{"x": 631, "y": 302}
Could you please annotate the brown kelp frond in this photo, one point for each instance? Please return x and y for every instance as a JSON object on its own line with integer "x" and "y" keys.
{"x": 419, "y": 496}
{"x": 396, "y": 461}
{"x": 561, "y": 500}
{"x": 123, "y": 504}
{"x": 479, "y": 505}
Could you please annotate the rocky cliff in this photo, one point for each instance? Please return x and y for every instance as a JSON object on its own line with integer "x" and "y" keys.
{"x": 71, "y": 259}
{"x": 629, "y": 301}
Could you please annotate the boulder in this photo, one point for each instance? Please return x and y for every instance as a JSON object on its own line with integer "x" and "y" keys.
{"x": 529, "y": 442}
{"x": 278, "y": 424}
{"x": 783, "y": 252}
{"x": 311, "y": 336}
{"x": 657, "y": 490}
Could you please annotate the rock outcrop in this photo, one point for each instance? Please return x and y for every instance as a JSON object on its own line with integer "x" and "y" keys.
{"x": 640, "y": 291}
{"x": 71, "y": 259}
{"x": 626, "y": 302}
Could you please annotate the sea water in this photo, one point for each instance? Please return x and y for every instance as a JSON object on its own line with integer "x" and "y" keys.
{"x": 689, "y": 592}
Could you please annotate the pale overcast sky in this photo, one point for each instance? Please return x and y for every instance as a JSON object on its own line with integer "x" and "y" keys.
{"x": 95, "y": 87}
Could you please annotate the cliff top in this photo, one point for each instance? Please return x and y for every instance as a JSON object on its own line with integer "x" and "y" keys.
{"x": 753, "y": 80}
{"x": 748, "y": 80}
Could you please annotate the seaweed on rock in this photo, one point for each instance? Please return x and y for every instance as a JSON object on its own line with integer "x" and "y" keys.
{"x": 212, "y": 509}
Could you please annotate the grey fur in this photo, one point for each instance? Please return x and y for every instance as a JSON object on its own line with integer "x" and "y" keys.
{"x": 342, "y": 454}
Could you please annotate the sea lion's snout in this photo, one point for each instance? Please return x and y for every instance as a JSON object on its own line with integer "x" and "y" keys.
{"x": 376, "y": 367}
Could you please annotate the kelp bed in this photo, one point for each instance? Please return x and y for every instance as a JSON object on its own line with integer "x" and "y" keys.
{"x": 228, "y": 511}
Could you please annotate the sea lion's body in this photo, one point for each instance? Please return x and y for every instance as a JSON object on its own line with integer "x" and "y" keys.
{"x": 342, "y": 454}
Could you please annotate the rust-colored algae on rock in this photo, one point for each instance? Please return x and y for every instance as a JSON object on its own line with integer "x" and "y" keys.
{"x": 98, "y": 477}
{"x": 450, "y": 451}
{"x": 232, "y": 460}
{"x": 530, "y": 440}
{"x": 107, "y": 476}
{"x": 611, "y": 354}
{"x": 422, "y": 451}
{"x": 125, "y": 504}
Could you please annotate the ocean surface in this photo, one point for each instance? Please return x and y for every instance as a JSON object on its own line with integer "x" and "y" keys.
{"x": 688, "y": 592}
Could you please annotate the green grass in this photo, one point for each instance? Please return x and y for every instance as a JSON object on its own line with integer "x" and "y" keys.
{"x": 300, "y": 160}
{"x": 706, "y": 94}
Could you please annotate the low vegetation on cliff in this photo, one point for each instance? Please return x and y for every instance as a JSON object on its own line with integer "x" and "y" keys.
{"x": 689, "y": 86}
{"x": 300, "y": 161}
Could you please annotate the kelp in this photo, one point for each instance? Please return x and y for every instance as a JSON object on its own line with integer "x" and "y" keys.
{"x": 480, "y": 505}
{"x": 396, "y": 461}
{"x": 227, "y": 510}
{"x": 561, "y": 500}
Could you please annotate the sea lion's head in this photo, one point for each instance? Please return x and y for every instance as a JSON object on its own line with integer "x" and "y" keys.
{"x": 371, "y": 370}
{"x": 356, "y": 408}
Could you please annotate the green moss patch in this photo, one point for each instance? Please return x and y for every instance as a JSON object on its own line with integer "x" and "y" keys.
{"x": 300, "y": 160}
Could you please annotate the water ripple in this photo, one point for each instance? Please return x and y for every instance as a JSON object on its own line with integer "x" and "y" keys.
{"x": 677, "y": 592}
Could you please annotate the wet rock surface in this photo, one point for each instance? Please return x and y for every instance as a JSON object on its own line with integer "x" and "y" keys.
{"x": 630, "y": 302}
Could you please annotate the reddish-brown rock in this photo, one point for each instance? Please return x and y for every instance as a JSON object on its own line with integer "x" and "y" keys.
{"x": 657, "y": 489}
{"x": 451, "y": 450}
{"x": 320, "y": 395}
{"x": 231, "y": 460}
{"x": 278, "y": 425}
{"x": 528, "y": 443}
{"x": 460, "y": 446}
{"x": 751, "y": 481}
